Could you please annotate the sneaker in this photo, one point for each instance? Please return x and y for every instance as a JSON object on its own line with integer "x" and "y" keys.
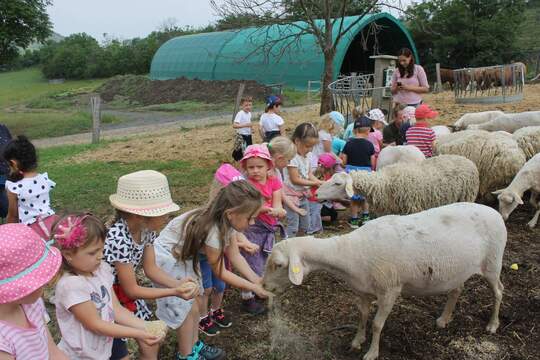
{"x": 253, "y": 307}
{"x": 208, "y": 326}
{"x": 221, "y": 319}
{"x": 365, "y": 218}
{"x": 354, "y": 223}
{"x": 192, "y": 356}
{"x": 208, "y": 352}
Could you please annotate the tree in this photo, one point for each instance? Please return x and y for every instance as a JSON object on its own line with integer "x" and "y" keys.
{"x": 463, "y": 33}
{"x": 21, "y": 23}
{"x": 328, "y": 31}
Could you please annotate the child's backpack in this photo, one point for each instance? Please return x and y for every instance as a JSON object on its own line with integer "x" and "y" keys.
{"x": 238, "y": 147}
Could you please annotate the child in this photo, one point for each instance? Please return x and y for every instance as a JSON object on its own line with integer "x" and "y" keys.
{"x": 327, "y": 168}
{"x": 271, "y": 124}
{"x": 28, "y": 190}
{"x": 328, "y": 128}
{"x": 356, "y": 114}
{"x": 375, "y": 136}
{"x": 87, "y": 309}
{"x": 358, "y": 155}
{"x": 242, "y": 124}
{"x": 23, "y": 328}
{"x": 210, "y": 231}
{"x": 299, "y": 176}
{"x": 421, "y": 135}
{"x": 408, "y": 118}
{"x": 282, "y": 150}
{"x": 257, "y": 162}
{"x": 142, "y": 202}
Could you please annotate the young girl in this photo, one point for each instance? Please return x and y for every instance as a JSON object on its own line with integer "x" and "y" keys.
{"x": 271, "y": 124}
{"x": 327, "y": 129}
{"x": 142, "y": 201}
{"x": 210, "y": 231}
{"x": 28, "y": 190}
{"x": 87, "y": 309}
{"x": 375, "y": 135}
{"x": 28, "y": 263}
{"x": 299, "y": 176}
{"x": 257, "y": 162}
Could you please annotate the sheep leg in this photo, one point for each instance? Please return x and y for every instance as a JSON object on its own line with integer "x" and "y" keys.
{"x": 385, "y": 302}
{"x": 534, "y": 220}
{"x": 533, "y": 201}
{"x": 446, "y": 315}
{"x": 360, "y": 338}
{"x": 497, "y": 288}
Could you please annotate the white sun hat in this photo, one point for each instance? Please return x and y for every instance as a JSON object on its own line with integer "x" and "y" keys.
{"x": 144, "y": 193}
{"x": 377, "y": 115}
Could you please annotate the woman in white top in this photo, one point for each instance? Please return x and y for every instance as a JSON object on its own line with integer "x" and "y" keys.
{"x": 271, "y": 124}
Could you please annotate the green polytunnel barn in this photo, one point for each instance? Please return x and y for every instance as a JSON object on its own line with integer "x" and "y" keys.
{"x": 240, "y": 55}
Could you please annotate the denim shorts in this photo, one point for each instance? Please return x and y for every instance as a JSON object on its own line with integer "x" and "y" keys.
{"x": 209, "y": 279}
{"x": 348, "y": 169}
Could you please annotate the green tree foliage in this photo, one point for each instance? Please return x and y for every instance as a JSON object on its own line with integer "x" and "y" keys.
{"x": 462, "y": 33}
{"x": 22, "y": 22}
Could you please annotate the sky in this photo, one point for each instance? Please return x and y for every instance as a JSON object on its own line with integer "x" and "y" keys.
{"x": 125, "y": 19}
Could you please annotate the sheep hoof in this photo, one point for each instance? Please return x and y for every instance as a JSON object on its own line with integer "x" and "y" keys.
{"x": 371, "y": 355}
{"x": 442, "y": 322}
{"x": 531, "y": 224}
{"x": 357, "y": 343}
{"x": 492, "y": 327}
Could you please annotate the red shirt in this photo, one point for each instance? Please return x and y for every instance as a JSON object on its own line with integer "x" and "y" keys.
{"x": 421, "y": 136}
{"x": 267, "y": 190}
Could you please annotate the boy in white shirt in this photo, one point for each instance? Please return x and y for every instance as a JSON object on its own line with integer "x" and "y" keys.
{"x": 243, "y": 125}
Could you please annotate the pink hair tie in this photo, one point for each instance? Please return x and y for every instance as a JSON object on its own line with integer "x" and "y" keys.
{"x": 70, "y": 232}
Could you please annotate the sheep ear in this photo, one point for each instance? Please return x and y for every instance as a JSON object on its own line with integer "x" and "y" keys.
{"x": 518, "y": 199}
{"x": 349, "y": 186}
{"x": 497, "y": 192}
{"x": 296, "y": 269}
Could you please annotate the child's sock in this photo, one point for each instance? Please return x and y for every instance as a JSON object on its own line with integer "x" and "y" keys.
{"x": 246, "y": 295}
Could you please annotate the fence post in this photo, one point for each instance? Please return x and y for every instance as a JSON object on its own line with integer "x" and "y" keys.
{"x": 309, "y": 91}
{"x": 438, "y": 72}
{"x": 95, "y": 104}
{"x": 238, "y": 98}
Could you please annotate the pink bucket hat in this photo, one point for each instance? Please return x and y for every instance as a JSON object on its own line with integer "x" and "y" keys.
{"x": 327, "y": 161}
{"x": 27, "y": 262}
{"x": 226, "y": 174}
{"x": 257, "y": 150}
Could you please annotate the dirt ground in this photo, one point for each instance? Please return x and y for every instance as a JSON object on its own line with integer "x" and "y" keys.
{"x": 318, "y": 319}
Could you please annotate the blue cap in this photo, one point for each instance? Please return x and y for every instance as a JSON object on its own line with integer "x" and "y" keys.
{"x": 273, "y": 100}
{"x": 338, "y": 118}
{"x": 362, "y": 122}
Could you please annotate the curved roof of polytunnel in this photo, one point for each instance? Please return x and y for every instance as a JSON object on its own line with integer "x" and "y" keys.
{"x": 228, "y": 55}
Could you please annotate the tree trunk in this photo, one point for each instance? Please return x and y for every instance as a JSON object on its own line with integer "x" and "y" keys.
{"x": 328, "y": 76}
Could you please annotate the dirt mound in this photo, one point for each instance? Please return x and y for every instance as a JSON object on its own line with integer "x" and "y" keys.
{"x": 141, "y": 90}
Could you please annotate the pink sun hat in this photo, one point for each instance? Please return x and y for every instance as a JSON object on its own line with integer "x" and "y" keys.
{"x": 27, "y": 262}
{"x": 257, "y": 150}
{"x": 226, "y": 174}
{"x": 327, "y": 160}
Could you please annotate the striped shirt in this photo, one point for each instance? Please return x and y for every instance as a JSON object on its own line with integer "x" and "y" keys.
{"x": 30, "y": 343}
{"x": 421, "y": 136}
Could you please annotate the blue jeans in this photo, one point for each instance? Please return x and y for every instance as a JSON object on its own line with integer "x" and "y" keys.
{"x": 295, "y": 221}
{"x": 315, "y": 221}
{"x": 209, "y": 279}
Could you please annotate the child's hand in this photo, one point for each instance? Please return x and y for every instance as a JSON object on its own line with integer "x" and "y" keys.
{"x": 301, "y": 211}
{"x": 261, "y": 292}
{"x": 278, "y": 212}
{"x": 187, "y": 289}
{"x": 150, "y": 339}
{"x": 251, "y": 248}
{"x": 319, "y": 183}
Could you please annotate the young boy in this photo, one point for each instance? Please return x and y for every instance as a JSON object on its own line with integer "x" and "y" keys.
{"x": 421, "y": 135}
{"x": 358, "y": 155}
{"x": 242, "y": 124}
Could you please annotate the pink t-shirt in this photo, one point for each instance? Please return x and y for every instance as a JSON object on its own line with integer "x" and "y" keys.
{"x": 27, "y": 344}
{"x": 375, "y": 137}
{"x": 419, "y": 78}
{"x": 77, "y": 342}
{"x": 272, "y": 184}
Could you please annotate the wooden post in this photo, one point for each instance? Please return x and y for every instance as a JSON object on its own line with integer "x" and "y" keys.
{"x": 438, "y": 72}
{"x": 238, "y": 98}
{"x": 309, "y": 91}
{"x": 95, "y": 104}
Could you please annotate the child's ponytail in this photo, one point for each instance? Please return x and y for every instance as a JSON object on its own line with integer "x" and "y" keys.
{"x": 23, "y": 152}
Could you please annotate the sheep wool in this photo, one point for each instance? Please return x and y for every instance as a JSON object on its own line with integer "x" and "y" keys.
{"x": 510, "y": 122}
{"x": 528, "y": 140}
{"x": 475, "y": 118}
{"x": 406, "y": 188}
{"x": 401, "y": 153}
{"x": 497, "y": 157}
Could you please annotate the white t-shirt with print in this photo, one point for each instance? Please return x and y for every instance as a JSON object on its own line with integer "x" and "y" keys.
{"x": 270, "y": 122}
{"x": 78, "y": 342}
{"x": 243, "y": 118}
{"x": 33, "y": 197}
{"x": 318, "y": 149}
{"x": 303, "y": 164}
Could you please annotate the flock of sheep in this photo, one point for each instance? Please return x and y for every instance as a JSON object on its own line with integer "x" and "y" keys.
{"x": 433, "y": 236}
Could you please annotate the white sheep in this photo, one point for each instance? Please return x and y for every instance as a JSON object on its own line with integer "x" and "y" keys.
{"x": 406, "y": 188}
{"x": 528, "y": 139}
{"x": 475, "y": 118}
{"x": 402, "y": 153}
{"x": 497, "y": 157}
{"x": 457, "y": 135}
{"x": 510, "y": 122}
{"x": 528, "y": 178}
{"x": 441, "y": 130}
{"x": 428, "y": 253}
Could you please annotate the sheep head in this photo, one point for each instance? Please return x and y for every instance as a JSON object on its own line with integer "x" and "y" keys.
{"x": 508, "y": 202}
{"x": 284, "y": 266}
{"x": 338, "y": 187}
